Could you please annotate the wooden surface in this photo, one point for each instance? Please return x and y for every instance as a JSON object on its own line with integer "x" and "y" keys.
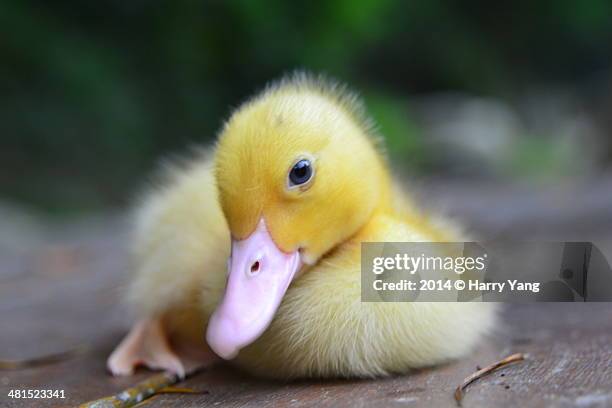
{"x": 59, "y": 286}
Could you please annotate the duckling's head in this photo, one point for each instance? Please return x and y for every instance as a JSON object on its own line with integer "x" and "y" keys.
{"x": 298, "y": 173}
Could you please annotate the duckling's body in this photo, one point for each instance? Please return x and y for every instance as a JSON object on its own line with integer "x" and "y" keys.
{"x": 321, "y": 328}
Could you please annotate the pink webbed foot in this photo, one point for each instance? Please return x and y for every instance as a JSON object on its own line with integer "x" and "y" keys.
{"x": 146, "y": 344}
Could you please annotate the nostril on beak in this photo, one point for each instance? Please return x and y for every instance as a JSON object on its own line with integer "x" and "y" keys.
{"x": 255, "y": 267}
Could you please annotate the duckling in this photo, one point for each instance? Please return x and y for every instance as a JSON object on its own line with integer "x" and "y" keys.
{"x": 251, "y": 253}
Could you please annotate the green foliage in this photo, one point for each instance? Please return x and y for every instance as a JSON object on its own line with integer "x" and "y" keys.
{"x": 93, "y": 93}
{"x": 536, "y": 157}
{"x": 403, "y": 138}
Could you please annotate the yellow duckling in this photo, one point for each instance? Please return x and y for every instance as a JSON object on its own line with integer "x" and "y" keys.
{"x": 255, "y": 251}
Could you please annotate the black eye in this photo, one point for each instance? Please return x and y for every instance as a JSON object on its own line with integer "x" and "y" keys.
{"x": 300, "y": 173}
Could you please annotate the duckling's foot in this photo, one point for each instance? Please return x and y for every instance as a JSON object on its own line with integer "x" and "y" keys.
{"x": 146, "y": 344}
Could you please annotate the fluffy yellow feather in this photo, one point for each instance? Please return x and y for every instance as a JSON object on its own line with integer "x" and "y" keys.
{"x": 321, "y": 329}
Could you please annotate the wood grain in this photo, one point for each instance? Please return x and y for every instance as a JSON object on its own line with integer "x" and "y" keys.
{"x": 61, "y": 291}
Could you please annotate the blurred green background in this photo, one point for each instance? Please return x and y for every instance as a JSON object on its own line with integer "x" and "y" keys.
{"x": 93, "y": 94}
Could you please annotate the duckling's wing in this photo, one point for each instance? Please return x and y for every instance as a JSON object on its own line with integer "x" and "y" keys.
{"x": 180, "y": 247}
{"x": 180, "y": 241}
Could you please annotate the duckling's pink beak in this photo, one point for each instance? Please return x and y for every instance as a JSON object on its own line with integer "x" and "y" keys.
{"x": 258, "y": 277}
